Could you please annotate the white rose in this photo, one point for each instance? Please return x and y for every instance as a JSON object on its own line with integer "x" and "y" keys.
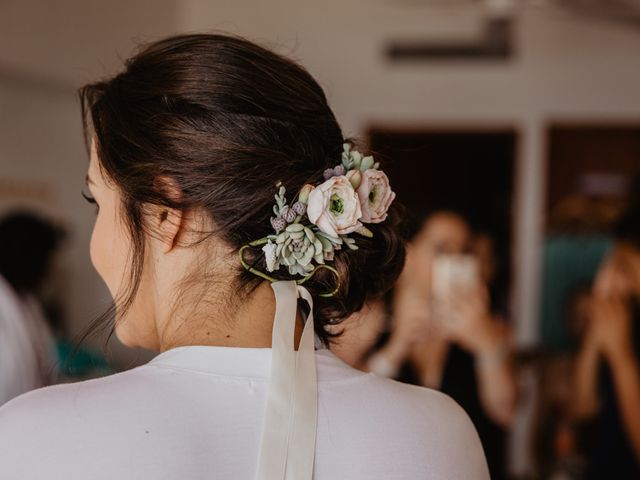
{"x": 334, "y": 207}
{"x": 375, "y": 196}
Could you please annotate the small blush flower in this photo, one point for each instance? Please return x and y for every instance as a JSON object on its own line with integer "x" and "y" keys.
{"x": 334, "y": 207}
{"x": 304, "y": 193}
{"x": 375, "y": 196}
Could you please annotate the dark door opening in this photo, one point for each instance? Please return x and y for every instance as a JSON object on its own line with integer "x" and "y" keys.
{"x": 592, "y": 160}
{"x": 466, "y": 171}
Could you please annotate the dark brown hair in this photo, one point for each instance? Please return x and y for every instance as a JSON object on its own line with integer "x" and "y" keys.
{"x": 226, "y": 119}
{"x": 28, "y": 243}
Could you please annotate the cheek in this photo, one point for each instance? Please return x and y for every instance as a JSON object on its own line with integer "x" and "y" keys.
{"x": 98, "y": 250}
{"x": 105, "y": 252}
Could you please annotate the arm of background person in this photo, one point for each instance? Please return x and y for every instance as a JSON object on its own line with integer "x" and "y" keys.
{"x": 488, "y": 339}
{"x": 410, "y": 325}
{"x": 7, "y": 389}
{"x": 612, "y": 327}
{"x": 15, "y": 349}
{"x": 612, "y": 330}
{"x": 496, "y": 380}
{"x": 626, "y": 377}
{"x": 585, "y": 392}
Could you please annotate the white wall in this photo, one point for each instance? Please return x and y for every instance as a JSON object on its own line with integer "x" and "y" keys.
{"x": 566, "y": 67}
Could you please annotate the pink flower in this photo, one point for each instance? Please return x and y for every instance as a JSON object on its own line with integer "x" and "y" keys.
{"x": 334, "y": 207}
{"x": 375, "y": 196}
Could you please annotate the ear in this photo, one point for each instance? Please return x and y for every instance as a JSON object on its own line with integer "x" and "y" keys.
{"x": 169, "y": 223}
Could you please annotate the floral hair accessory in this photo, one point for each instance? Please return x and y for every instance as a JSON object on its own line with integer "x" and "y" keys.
{"x": 308, "y": 232}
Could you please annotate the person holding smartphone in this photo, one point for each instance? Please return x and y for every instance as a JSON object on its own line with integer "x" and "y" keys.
{"x": 607, "y": 373}
{"x": 444, "y": 334}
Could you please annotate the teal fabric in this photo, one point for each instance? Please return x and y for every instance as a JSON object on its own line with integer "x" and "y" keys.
{"x": 80, "y": 362}
{"x": 569, "y": 261}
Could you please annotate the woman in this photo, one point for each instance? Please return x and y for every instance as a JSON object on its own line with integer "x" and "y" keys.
{"x": 446, "y": 336}
{"x": 189, "y": 144}
{"x": 28, "y": 245}
{"x": 607, "y": 374}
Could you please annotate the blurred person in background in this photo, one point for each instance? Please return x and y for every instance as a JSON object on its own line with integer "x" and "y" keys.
{"x": 607, "y": 377}
{"x": 578, "y": 241}
{"x": 28, "y": 244}
{"x": 446, "y": 336}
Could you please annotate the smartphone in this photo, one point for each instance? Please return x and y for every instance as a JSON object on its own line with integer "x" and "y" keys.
{"x": 454, "y": 273}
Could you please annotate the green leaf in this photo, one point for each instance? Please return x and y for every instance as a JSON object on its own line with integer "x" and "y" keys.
{"x": 365, "y": 232}
{"x": 326, "y": 243}
{"x": 309, "y": 233}
{"x": 367, "y": 163}
{"x": 332, "y": 239}
{"x": 317, "y": 246}
{"x": 295, "y": 227}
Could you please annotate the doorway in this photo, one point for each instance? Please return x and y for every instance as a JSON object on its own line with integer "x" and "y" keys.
{"x": 468, "y": 171}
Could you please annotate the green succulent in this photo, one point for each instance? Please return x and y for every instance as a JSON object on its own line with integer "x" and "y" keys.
{"x": 329, "y": 245}
{"x": 353, "y": 159}
{"x": 296, "y": 247}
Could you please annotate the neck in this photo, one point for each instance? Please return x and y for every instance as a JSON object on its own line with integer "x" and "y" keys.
{"x": 247, "y": 323}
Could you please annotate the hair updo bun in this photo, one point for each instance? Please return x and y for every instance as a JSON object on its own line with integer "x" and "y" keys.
{"x": 226, "y": 120}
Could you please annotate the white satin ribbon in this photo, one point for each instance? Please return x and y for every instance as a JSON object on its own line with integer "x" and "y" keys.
{"x": 287, "y": 447}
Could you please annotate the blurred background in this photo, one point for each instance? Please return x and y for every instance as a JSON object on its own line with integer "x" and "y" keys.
{"x": 515, "y": 121}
